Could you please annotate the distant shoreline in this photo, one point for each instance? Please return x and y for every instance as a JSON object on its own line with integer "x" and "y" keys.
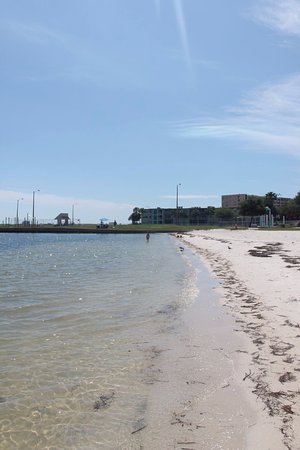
{"x": 121, "y": 229}
{"x": 94, "y": 229}
{"x": 77, "y": 230}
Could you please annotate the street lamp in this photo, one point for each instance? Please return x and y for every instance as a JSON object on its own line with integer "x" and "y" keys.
{"x": 33, "y": 199}
{"x": 73, "y": 218}
{"x": 179, "y": 184}
{"x": 177, "y": 215}
{"x": 17, "y": 215}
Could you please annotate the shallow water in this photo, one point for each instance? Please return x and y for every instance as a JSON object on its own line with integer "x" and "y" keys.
{"x": 82, "y": 319}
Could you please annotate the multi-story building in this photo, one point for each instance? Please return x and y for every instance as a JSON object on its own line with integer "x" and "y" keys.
{"x": 279, "y": 202}
{"x": 179, "y": 216}
{"x": 156, "y": 216}
{"x": 233, "y": 201}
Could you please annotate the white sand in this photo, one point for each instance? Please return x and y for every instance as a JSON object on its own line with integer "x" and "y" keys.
{"x": 262, "y": 292}
{"x": 196, "y": 401}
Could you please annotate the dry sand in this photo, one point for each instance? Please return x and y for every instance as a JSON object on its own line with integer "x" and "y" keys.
{"x": 259, "y": 273}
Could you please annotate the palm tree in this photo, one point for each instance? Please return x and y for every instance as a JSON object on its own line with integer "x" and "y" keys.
{"x": 135, "y": 216}
{"x": 269, "y": 201}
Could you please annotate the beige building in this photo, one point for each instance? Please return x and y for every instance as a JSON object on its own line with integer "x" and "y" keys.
{"x": 234, "y": 201}
{"x": 281, "y": 201}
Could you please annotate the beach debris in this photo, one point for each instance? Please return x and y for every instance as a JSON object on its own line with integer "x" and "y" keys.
{"x": 260, "y": 254}
{"x": 281, "y": 348}
{"x": 288, "y": 409}
{"x": 139, "y": 429}
{"x": 104, "y": 401}
{"x": 179, "y": 416}
{"x": 292, "y": 261}
{"x": 289, "y": 360}
{"x": 291, "y": 324}
{"x": 293, "y": 299}
{"x": 187, "y": 448}
{"x": 278, "y": 394}
{"x": 287, "y": 376}
{"x": 265, "y": 251}
{"x": 247, "y": 375}
{"x": 259, "y": 316}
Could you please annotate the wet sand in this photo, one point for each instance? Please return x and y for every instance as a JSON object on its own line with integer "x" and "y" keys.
{"x": 259, "y": 272}
{"x": 199, "y": 396}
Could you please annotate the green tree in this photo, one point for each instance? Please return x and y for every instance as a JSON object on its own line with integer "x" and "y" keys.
{"x": 225, "y": 213}
{"x": 135, "y": 216}
{"x": 251, "y": 207}
{"x": 211, "y": 210}
{"x": 292, "y": 209}
{"x": 297, "y": 199}
{"x": 269, "y": 201}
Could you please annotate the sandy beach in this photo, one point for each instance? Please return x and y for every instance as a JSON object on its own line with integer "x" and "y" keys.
{"x": 259, "y": 285}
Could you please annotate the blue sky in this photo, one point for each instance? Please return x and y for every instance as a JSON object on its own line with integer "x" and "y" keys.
{"x": 109, "y": 104}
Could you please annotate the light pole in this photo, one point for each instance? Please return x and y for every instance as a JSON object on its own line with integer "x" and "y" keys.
{"x": 177, "y": 215}
{"x": 73, "y": 213}
{"x": 33, "y": 199}
{"x": 17, "y": 215}
{"x": 179, "y": 184}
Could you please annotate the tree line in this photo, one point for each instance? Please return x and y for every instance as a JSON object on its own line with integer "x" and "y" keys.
{"x": 256, "y": 206}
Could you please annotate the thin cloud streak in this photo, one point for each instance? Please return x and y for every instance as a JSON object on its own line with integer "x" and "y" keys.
{"x": 192, "y": 196}
{"x": 81, "y": 61}
{"x": 268, "y": 118}
{"x": 33, "y": 33}
{"x": 280, "y": 15}
{"x": 183, "y": 33}
{"x": 85, "y": 207}
{"x": 55, "y": 200}
{"x": 158, "y": 7}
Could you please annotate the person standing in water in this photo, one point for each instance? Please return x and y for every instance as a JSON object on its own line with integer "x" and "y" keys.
{"x": 147, "y": 237}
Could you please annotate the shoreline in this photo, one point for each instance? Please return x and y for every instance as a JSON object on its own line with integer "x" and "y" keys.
{"x": 196, "y": 400}
{"x": 260, "y": 286}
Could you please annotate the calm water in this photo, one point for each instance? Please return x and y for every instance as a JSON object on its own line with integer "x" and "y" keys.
{"x": 81, "y": 318}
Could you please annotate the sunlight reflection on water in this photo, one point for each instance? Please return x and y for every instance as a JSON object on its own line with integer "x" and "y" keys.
{"x": 80, "y": 320}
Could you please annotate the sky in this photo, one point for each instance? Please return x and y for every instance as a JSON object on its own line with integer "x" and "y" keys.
{"x": 111, "y": 104}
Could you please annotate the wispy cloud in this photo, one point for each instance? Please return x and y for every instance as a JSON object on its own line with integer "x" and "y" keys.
{"x": 79, "y": 58}
{"x": 33, "y": 32}
{"x": 157, "y": 7}
{"x": 281, "y": 15}
{"x": 48, "y": 205}
{"x": 182, "y": 30}
{"x": 191, "y": 196}
{"x": 180, "y": 18}
{"x": 268, "y": 118}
